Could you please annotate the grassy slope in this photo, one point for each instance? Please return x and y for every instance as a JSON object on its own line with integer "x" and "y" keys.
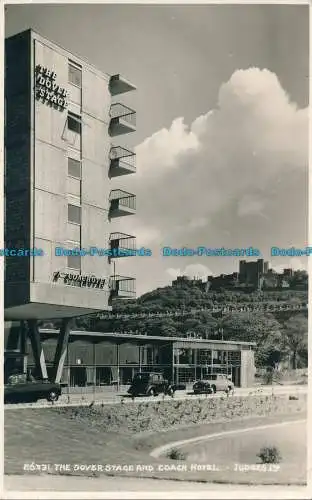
{"x": 45, "y": 436}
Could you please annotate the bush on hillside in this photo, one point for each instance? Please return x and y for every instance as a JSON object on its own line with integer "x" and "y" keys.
{"x": 269, "y": 455}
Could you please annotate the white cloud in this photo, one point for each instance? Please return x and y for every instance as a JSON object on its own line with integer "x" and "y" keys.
{"x": 200, "y": 222}
{"x": 160, "y": 151}
{"x": 249, "y": 205}
{"x": 147, "y": 235}
{"x": 192, "y": 271}
{"x": 174, "y": 273}
{"x": 196, "y": 184}
{"x": 291, "y": 263}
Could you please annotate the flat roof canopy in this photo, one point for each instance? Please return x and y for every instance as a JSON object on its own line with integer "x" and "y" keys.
{"x": 128, "y": 337}
{"x": 44, "y": 311}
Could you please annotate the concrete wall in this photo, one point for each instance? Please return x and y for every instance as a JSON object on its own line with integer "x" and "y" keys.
{"x": 96, "y": 145}
{"x": 54, "y": 143}
{"x": 247, "y": 368}
{"x": 39, "y": 189}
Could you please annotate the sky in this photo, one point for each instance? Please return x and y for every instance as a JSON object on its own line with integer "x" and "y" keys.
{"x": 222, "y": 124}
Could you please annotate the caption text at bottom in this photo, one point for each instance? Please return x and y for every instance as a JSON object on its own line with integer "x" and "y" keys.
{"x": 190, "y": 467}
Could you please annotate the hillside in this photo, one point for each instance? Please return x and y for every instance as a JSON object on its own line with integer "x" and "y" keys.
{"x": 280, "y": 336}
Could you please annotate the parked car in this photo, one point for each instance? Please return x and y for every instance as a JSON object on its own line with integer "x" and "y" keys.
{"x": 150, "y": 384}
{"x": 213, "y": 383}
{"x": 21, "y": 389}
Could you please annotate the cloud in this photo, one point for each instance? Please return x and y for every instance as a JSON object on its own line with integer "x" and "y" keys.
{"x": 161, "y": 150}
{"x": 147, "y": 235}
{"x": 200, "y": 222}
{"x": 292, "y": 263}
{"x": 192, "y": 271}
{"x": 235, "y": 177}
{"x": 250, "y": 205}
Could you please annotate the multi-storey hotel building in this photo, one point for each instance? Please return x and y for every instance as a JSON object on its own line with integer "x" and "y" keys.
{"x": 64, "y": 124}
{"x": 63, "y": 121}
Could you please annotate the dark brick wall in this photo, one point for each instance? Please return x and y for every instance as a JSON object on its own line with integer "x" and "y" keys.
{"x": 18, "y": 157}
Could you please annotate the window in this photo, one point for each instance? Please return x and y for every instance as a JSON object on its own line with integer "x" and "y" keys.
{"x": 74, "y": 168}
{"x": 74, "y": 262}
{"x": 74, "y": 75}
{"x": 74, "y": 214}
{"x": 74, "y": 123}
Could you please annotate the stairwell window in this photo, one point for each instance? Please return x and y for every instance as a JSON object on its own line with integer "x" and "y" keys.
{"x": 74, "y": 214}
{"x": 74, "y": 262}
{"x": 74, "y": 74}
{"x": 74, "y": 168}
{"x": 74, "y": 123}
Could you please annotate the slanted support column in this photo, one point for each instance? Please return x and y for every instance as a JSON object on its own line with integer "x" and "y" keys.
{"x": 140, "y": 357}
{"x": 177, "y": 365}
{"x": 37, "y": 349}
{"x": 61, "y": 350}
{"x": 13, "y": 336}
{"x": 118, "y": 366}
{"x": 24, "y": 345}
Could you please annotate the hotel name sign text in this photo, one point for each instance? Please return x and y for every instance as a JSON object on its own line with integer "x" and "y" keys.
{"x": 48, "y": 90}
{"x": 81, "y": 280}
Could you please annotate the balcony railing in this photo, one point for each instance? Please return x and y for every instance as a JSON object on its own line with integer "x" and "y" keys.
{"x": 121, "y": 203}
{"x": 122, "y": 287}
{"x": 123, "y": 245}
{"x": 122, "y": 119}
{"x": 119, "y": 85}
{"x": 122, "y": 161}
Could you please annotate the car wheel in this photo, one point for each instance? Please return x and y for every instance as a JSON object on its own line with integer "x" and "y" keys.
{"x": 52, "y": 396}
{"x": 152, "y": 392}
{"x": 214, "y": 389}
{"x": 170, "y": 392}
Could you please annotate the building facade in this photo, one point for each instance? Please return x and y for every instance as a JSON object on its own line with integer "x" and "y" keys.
{"x": 62, "y": 148}
{"x": 97, "y": 359}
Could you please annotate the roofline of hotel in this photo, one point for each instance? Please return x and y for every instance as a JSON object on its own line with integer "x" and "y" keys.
{"x": 39, "y": 35}
{"x": 129, "y": 336}
{"x": 57, "y": 45}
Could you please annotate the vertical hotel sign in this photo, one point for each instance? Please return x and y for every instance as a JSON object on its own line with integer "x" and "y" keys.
{"x": 47, "y": 90}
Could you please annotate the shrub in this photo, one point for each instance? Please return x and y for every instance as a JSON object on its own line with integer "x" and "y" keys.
{"x": 293, "y": 398}
{"x": 271, "y": 376}
{"x": 269, "y": 455}
{"x": 175, "y": 454}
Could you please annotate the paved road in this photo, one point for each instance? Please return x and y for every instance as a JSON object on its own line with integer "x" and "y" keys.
{"x": 142, "y": 487}
{"x": 114, "y": 398}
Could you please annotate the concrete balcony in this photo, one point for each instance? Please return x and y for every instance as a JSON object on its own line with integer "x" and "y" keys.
{"x": 122, "y": 245}
{"x": 119, "y": 85}
{"x": 121, "y": 203}
{"x": 122, "y": 120}
{"x": 122, "y": 162}
{"x": 122, "y": 287}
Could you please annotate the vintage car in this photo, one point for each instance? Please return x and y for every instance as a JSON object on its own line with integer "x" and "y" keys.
{"x": 22, "y": 389}
{"x": 213, "y": 383}
{"x": 150, "y": 384}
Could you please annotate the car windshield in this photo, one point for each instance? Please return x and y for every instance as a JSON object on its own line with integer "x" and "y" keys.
{"x": 19, "y": 378}
{"x": 141, "y": 377}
